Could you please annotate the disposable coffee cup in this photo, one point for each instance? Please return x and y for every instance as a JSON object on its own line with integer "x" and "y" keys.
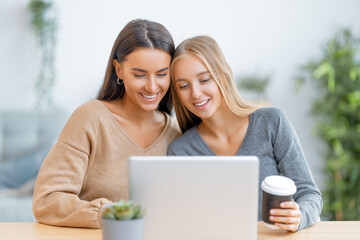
{"x": 275, "y": 190}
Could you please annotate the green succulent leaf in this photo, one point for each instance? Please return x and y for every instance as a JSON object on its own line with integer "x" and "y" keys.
{"x": 123, "y": 210}
{"x": 108, "y": 214}
{"x": 124, "y": 214}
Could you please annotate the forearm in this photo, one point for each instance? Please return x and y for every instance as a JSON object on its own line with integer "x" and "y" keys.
{"x": 65, "y": 209}
{"x": 59, "y": 184}
{"x": 310, "y": 207}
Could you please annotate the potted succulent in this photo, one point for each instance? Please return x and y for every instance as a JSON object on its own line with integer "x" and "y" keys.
{"x": 123, "y": 220}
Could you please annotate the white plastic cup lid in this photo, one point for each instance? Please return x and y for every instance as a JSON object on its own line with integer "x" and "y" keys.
{"x": 278, "y": 185}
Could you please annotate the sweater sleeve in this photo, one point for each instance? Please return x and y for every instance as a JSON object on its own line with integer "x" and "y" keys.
{"x": 56, "y": 195}
{"x": 292, "y": 163}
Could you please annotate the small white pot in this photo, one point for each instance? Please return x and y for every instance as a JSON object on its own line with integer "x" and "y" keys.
{"x": 123, "y": 229}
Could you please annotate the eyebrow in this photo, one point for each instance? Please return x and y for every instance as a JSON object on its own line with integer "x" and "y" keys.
{"x": 199, "y": 74}
{"x": 142, "y": 70}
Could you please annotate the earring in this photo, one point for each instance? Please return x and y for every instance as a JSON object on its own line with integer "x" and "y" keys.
{"x": 120, "y": 81}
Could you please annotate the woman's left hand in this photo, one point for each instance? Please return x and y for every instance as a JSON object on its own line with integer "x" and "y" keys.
{"x": 287, "y": 216}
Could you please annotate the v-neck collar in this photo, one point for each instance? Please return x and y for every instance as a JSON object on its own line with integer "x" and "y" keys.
{"x": 210, "y": 152}
{"x": 116, "y": 123}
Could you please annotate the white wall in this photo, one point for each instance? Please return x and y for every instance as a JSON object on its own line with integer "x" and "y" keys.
{"x": 265, "y": 36}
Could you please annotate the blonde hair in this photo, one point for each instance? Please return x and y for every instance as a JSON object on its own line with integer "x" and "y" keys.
{"x": 210, "y": 53}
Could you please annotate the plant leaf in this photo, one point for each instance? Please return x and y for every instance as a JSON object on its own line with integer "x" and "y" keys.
{"x": 322, "y": 70}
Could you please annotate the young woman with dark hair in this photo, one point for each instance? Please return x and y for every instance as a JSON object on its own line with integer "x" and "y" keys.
{"x": 87, "y": 167}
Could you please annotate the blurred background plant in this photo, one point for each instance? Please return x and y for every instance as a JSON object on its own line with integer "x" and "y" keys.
{"x": 254, "y": 83}
{"x": 253, "y": 88}
{"x": 44, "y": 24}
{"x": 336, "y": 76}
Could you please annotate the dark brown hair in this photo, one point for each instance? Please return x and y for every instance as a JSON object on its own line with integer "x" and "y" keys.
{"x": 137, "y": 33}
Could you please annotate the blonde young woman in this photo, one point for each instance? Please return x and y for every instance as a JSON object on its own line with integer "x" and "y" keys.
{"x": 215, "y": 120}
{"x": 87, "y": 167}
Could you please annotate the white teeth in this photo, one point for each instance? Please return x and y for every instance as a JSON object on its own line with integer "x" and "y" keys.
{"x": 149, "y": 97}
{"x": 201, "y": 104}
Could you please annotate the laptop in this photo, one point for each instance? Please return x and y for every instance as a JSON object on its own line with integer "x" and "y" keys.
{"x": 196, "y": 197}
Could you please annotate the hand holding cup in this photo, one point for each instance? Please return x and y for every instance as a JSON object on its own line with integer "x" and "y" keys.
{"x": 278, "y": 208}
{"x": 286, "y": 217}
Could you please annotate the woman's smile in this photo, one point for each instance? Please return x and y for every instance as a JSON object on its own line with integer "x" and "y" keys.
{"x": 202, "y": 104}
{"x": 148, "y": 97}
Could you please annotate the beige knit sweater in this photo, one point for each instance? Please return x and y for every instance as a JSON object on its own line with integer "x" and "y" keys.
{"x": 87, "y": 167}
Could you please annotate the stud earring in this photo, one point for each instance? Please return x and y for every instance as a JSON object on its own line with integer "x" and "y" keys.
{"x": 120, "y": 81}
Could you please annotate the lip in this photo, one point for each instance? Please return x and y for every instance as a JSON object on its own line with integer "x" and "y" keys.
{"x": 148, "y": 97}
{"x": 202, "y": 104}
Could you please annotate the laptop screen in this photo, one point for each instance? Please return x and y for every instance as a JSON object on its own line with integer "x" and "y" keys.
{"x": 196, "y": 197}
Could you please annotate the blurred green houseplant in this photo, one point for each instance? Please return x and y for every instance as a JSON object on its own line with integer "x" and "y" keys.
{"x": 336, "y": 76}
{"x": 254, "y": 84}
{"x": 43, "y": 22}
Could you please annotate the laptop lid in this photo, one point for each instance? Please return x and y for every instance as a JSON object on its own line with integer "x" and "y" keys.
{"x": 196, "y": 197}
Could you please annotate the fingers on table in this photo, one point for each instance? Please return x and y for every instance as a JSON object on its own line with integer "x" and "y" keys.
{"x": 287, "y": 220}
{"x": 289, "y": 227}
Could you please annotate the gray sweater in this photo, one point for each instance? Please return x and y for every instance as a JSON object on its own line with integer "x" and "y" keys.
{"x": 271, "y": 137}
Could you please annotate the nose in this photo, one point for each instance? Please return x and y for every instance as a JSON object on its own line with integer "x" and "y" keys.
{"x": 195, "y": 91}
{"x": 151, "y": 85}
